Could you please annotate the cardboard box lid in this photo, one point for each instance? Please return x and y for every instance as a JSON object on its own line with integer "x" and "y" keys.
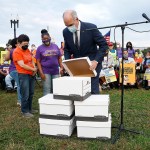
{"x": 48, "y": 99}
{"x": 79, "y": 67}
{"x": 94, "y": 123}
{"x": 94, "y": 100}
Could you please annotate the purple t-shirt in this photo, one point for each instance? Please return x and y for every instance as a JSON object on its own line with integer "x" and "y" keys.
{"x": 48, "y": 56}
{"x": 119, "y": 52}
{"x": 131, "y": 53}
{"x": 12, "y": 65}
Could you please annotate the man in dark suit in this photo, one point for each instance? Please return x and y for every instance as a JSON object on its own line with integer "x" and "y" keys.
{"x": 79, "y": 42}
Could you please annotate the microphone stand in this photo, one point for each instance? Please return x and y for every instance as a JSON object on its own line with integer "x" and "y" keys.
{"x": 121, "y": 126}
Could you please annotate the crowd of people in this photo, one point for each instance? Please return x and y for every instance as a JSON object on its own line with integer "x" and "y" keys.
{"x": 113, "y": 59}
{"x": 46, "y": 61}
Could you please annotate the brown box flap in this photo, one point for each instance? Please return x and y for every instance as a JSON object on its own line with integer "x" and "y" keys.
{"x": 79, "y": 67}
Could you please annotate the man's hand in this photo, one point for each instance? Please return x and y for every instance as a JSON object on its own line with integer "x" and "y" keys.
{"x": 93, "y": 65}
{"x": 61, "y": 71}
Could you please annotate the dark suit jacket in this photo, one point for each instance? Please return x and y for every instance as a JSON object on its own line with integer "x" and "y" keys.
{"x": 89, "y": 40}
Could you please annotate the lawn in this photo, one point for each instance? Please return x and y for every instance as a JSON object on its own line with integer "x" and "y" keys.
{"x": 18, "y": 133}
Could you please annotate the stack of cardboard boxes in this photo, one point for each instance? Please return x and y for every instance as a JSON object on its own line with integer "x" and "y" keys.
{"x": 72, "y": 104}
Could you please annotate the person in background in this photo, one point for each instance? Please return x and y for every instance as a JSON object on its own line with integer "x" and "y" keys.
{"x": 146, "y": 65}
{"x": 113, "y": 52}
{"x": 82, "y": 43}
{"x": 108, "y": 62}
{"x": 48, "y": 61}
{"x": 131, "y": 51}
{"x": 26, "y": 73}
{"x": 138, "y": 58}
{"x": 138, "y": 61}
{"x": 119, "y": 50}
{"x": 127, "y": 59}
{"x": 4, "y": 69}
{"x": 62, "y": 49}
{"x": 12, "y": 69}
{"x": 11, "y": 85}
{"x": 33, "y": 52}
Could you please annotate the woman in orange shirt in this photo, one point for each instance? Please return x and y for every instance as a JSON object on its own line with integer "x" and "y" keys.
{"x": 26, "y": 71}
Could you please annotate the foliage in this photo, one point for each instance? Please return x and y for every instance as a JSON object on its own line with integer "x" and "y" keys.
{"x": 2, "y": 49}
{"x": 145, "y": 51}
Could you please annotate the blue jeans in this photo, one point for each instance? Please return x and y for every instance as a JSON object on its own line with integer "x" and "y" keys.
{"x": 48, "y": 83}
{"x": 26, "y": 83}
{"x": 14, "y": 75}
{"x": 8, "y": 81}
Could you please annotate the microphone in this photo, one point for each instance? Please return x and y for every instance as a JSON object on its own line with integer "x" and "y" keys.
{"x": 145, "y": 16}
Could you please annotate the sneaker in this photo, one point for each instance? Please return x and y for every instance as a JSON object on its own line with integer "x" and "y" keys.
{"x": 147, "y": 88}
{"x": 34, "y": 111}
{"x": 27, "y": 115}
{"x": 18, "y": 104}
{"x": 9, "y": 89}
{"x": 15, "y": 89}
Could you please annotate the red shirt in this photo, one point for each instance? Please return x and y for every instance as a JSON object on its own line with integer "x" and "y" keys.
{"x": 138, "y": 60}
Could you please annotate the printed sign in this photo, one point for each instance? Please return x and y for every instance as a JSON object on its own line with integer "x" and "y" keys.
{"x": 129, "y": 73}
{"x": 147, "y": 74}
{"x": 3, "y": 54}
{"x": 109, "y": 75}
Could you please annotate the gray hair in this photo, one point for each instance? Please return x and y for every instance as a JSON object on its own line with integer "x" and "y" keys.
{"x": 72, "y": 12}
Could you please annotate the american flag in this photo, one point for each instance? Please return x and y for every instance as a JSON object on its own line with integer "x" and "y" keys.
{"x": 107, "y": 37}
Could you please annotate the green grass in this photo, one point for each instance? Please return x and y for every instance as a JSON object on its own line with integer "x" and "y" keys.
{"x": 18, "y": 133}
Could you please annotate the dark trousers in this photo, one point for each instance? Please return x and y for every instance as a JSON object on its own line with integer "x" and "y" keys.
{"x": 95, "y": 81}
{"x": 26, "y": 83}
{"x": 2, "y": 82}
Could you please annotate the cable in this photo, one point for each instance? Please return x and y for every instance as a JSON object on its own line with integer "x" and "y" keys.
{"x": 137, "y": 31}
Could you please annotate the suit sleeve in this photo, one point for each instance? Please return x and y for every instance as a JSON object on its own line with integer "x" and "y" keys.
{"x": 101, "y": 42}
{"x": 67, "y": 53}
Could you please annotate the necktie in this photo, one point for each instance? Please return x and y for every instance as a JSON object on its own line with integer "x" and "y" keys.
{"x": 76, "y": 40}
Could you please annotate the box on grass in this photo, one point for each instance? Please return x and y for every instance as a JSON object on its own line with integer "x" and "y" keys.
{"x": 77, "y": 86}
{"x": 94, "y": 108}
{"x": 89, "y": 129}
{"x": 53, "y": 107}
{"x": 58, "y": 128}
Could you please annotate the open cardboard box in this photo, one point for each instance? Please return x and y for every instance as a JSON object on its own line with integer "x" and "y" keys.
{"x": 79, "y": 67}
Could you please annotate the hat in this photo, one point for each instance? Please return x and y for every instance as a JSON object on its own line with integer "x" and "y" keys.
{"x": 110, "y": 44}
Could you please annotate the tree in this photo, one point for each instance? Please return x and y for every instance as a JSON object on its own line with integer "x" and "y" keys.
{"x": 2, "y": 49}
{"x": 145, "y": 51}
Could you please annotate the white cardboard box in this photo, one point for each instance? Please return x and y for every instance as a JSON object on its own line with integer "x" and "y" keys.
{"x": 95, "y": 106}
{"x": 50, "y": 106}
{"x": 72, "y": 88}
{"x": 60, "y": 128}
{"x": 99, "y": 130}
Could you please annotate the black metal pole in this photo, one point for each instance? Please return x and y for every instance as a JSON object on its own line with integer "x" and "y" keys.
{"x": 121, "y": 25}
{"x": 15, "y": 22}
{"x": 122, "y": 76}
{"x": 15, "y": 29}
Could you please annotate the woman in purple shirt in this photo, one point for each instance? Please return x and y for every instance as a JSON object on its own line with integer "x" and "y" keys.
{"x": 48, "y": 61}
{"x": 131, "y": 51}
